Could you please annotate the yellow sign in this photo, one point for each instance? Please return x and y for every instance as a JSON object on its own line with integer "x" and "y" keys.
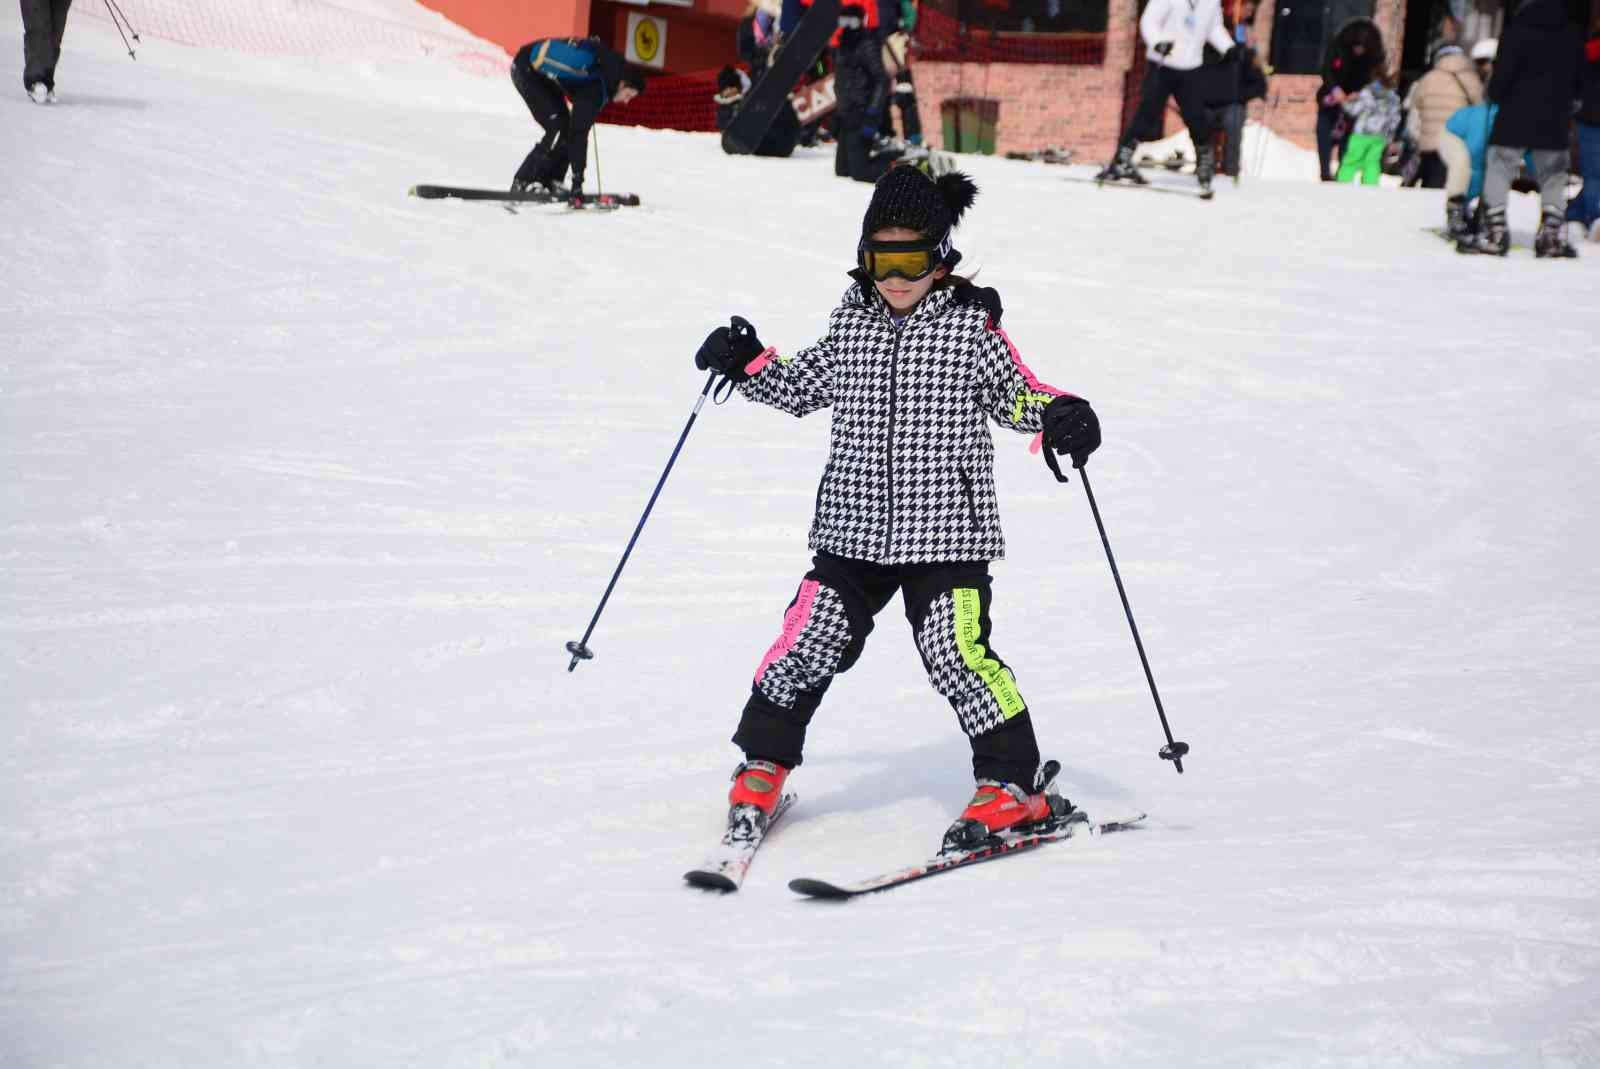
{"x": 647, "y": 41}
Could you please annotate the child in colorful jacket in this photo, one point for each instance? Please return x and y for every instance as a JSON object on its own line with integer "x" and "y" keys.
{"x": 914, "y": 365}
{"x": 1375, "y": 114}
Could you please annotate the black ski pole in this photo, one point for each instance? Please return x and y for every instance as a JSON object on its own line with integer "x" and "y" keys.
{"x": 1173, "y": 751}
{"x": 580, "y": 649}
{"x": 119, "y": 20}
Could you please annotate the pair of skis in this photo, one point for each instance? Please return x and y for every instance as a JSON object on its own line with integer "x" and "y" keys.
{"x": 726, "y": 868}
{"x": 1148, "y": 187}
{"x": 602, "y": 201}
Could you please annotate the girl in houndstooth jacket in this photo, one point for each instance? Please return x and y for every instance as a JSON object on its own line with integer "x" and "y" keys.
{"x": 914, "y": 365}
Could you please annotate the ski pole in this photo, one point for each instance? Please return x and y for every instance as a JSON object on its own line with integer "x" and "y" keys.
{"x": 119, "y": 20}
{"x": 599, "y": 180}
{"x": 1173, "y": 751}
{"x": 580, "y": 649}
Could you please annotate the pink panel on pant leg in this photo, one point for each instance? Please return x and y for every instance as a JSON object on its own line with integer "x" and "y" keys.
{"x": 794, "y": 622}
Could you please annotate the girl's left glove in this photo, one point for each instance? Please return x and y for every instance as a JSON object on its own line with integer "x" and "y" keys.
{"x": 729, "y": 350}
{"x": 1070, "y": 426}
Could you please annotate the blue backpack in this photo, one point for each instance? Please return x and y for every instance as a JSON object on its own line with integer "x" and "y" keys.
{"x": 565, "y": 60}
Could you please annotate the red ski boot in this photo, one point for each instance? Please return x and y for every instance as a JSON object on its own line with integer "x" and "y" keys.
{"x": 758, "y": 783}
{"x": 999, "y": 807}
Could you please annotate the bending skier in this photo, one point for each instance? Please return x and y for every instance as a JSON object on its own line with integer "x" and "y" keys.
{"x": 565, "y": 81}
{"x": 1177, "y": 32}
{"x": 914, "y": 365}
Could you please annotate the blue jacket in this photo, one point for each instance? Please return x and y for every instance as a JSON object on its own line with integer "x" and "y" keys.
{"x": 1473, "y": 125}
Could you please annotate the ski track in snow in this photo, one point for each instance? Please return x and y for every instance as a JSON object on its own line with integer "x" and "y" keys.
{"x": 305, "y": 483}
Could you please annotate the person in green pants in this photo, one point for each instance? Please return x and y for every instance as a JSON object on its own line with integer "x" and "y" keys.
{"x": 1375, "y": 116}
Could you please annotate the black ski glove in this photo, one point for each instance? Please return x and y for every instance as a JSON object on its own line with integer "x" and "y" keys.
{"x": 1070, "y": 426}
{"x": 729, "y": 349}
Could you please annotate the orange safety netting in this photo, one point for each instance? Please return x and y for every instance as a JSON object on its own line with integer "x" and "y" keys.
{"x": 670, "y": 102}
{"x": 302, "y": 28}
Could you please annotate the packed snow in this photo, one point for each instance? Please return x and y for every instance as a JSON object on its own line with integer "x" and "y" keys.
{"x": 306, "y": 484}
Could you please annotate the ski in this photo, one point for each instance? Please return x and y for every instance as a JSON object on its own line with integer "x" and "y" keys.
{"x": 1002, "y": 845}
{"x": 1444, "y": 235}
{"x": 1112, "y": 183}
{"x": 601, "y": 200}
{"x": 725, "y": 869}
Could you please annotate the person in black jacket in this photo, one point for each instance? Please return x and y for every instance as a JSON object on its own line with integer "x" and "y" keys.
{"x": 780, "y": 138}
{"x": 1355, "y": 55}
{"x": 565, "y": 81}
{"x": 1231, "y": 82}
{"x": 1585, "y": 207}
{"x": 1534, "y": 83}
{"x": 861, "y": 86}
{"x": 43, "y": 24}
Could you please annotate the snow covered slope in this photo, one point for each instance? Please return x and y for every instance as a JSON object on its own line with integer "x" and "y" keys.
{"x": 305, "y": 484}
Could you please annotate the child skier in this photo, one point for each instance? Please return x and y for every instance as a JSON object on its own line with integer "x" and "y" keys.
{"x": 913, "y": 364}
{"x": 1375, "y": 116}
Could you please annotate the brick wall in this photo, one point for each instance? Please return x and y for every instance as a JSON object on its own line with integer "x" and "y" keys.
{"x": 1042, "y": 104}
{"x": 1081, "y": 106}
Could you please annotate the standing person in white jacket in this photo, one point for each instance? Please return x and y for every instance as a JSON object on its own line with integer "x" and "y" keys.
{"x": 1176, "y": 32}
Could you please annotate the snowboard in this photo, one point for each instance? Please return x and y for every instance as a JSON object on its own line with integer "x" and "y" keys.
{"x": 601, "y": 200}
{"x": 1444, "y": 235}
{"x": 1150, "y": 188}
{"x": 795, "y": 55}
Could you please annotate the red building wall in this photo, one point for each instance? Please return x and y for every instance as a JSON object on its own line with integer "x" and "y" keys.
{"x": 513, "y": 23}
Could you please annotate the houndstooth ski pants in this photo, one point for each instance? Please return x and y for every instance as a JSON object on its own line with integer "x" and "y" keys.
{"x": 825, "y": 629}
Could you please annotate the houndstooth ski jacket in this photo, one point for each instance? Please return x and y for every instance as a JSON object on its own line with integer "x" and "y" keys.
{"x": 910, "y": 473}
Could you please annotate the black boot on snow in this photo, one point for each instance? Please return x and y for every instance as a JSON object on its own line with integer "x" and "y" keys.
{"x": 1121, "y": 168}
{"x": 1492, "y": 239}
{"x": 1552, "y": 238}
{"x": 1205, "y": 168}
{"x": 1455, "y": 218}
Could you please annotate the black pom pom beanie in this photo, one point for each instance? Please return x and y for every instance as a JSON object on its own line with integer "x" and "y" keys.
{"x": 907, "y": 197}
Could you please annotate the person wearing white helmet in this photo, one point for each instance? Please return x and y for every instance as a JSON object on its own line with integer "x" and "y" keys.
{"x": 1483, "y": 57}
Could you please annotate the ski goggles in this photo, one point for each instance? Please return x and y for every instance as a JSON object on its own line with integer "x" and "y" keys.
{"x": 911, "y": 260}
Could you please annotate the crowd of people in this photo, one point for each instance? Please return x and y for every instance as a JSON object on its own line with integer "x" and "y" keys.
{"x": 1485, "y": 118}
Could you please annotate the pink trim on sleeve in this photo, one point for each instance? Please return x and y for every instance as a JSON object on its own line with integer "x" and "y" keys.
{"x": 1027, "y": 374}
{"x": 762, "y": 359}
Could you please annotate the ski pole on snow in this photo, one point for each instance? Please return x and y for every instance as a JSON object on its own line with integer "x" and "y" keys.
{"x": 580, "y": 649}
{"x": 119, "y": 20}
{"x": 1173, "y": 751}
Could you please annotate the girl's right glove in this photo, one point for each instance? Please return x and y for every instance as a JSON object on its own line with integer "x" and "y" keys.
{"x": 1070, "y": 426}
{"x": 729, "y": 350}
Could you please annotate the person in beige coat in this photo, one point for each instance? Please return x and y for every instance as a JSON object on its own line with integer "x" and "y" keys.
{"x": 1451, "y": 85}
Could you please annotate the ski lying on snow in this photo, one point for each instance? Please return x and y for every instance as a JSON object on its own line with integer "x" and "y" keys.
{"x": 1149, "y": 187}
{"x": 1073, "y": 824}
{"x": 602, "y": 200}
{"x": 725, "y": 869}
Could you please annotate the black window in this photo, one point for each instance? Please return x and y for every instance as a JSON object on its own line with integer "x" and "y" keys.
{"x": 1033, "y": 16}
{"x": 1303, "y": 30}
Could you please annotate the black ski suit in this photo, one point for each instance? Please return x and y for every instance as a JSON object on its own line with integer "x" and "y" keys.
{"x": 549, "y": 74}
{"x": 44, "y": 22}
{"x": 861, "y": 85}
